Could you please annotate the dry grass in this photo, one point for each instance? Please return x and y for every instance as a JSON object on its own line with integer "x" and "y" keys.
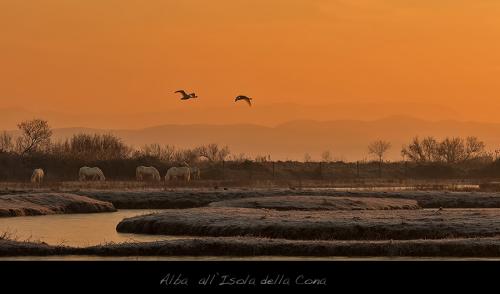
{"x": 189, "y": 197}
{"x": 319, "y": 225}
{"x": 365, "y": 183}
{"x": 50, "y": 203}
{"x": 243, "y": 246}
{"x": 240, "y": 246}
{"x": 311, "y": 203}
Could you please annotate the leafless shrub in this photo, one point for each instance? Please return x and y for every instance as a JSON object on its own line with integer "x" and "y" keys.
{"x": 6, "y": 144}
{"x": 449, "y": 150}
{"x": 213, "y": 152}
{"x": 35, "y": 134}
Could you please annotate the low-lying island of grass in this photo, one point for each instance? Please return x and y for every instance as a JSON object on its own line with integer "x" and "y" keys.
{"x": 190, "y": 198}
{"x": 317, "y": 203}
{"x": 318, "y": 225}
{"x": 50, "y": 203}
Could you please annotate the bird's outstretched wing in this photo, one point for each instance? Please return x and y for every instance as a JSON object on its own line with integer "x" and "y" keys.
{"x": 181, "y": 91}
{"x": 247, "y": 99}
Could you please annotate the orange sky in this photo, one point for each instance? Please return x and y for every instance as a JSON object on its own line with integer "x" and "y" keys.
{"x": 128, "y": 56}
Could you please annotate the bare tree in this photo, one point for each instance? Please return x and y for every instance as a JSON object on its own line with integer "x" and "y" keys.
{"x": 326, "y": 156}
{"x": 34, "y": 134}
{"x": 422, "y": 151}
{"x": 449, "y": 150}
{"x": 92, "y": 147}
{"x": 262, "y": 158}
{"x": 164, "y": 153}
{"x": 413, "y": 151}
{"x": 6, "y": 144}
{"x": 456, "y": 149}
{"x": 213, "y": 152}
{"x": 473, "y": 148}
{"x": 307, "y": 157}
{"x": 379, "y": 148}
{"x": 240, "y": 157}
{"x": 186, "y": 156}
{"x": 430, "y": 147}
{"x": 452, "y": 150}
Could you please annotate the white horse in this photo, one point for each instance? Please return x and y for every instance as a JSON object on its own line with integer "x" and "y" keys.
{"x": 147, "y": 171}
{"x": 183, "y": 172}
{"x": 37, "y": 176}
{"x": 195, "y": 173}
{"x": 92, "y": 173}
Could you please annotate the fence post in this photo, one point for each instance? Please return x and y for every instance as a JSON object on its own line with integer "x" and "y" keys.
{"x": 273, "y": 171}
{"x": 357, "y": 168}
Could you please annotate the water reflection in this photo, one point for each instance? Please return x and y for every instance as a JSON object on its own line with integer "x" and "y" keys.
{"x": 76, "y": 229}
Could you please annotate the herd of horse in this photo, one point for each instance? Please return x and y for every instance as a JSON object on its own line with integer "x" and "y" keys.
{"x": 142, "y": 173}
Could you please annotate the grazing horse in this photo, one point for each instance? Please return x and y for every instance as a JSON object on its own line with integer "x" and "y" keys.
{"x": 37, "y": 176}
{"x": 183, "y": 172}
{"x": 92, "y": 173}
{"x": 147, "y": 171}
{"x": 195, "y": 173}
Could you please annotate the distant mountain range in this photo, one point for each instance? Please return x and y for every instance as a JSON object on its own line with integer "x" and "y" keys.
{"x": 346, "y": 139}
{"x": 314, "y": 129}
{"x": 265, "y": 114}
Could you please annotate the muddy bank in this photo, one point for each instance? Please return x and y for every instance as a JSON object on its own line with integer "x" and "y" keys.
{"x": 280, "y": 247}
{"x": 484, "y": 247}
{"x": 318, "y": 225}
{"x": 312, "y": 203}
{"x": 189, "y": 198}
{"x": 50, "y": 203}
{"x": 21, "y": 248}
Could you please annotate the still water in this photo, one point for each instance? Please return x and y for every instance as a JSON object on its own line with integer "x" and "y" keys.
{"x": 77, "y": 230}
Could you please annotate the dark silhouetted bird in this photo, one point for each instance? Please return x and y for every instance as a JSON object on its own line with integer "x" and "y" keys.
{"x": 186, "y": 96}
{"x": 245, "y": 98}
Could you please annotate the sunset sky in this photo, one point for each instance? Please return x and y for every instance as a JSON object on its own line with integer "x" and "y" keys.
{"x": 122, "y": 57}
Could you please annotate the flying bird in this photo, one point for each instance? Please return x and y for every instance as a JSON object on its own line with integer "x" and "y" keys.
{"x": 245, "y": 98}
{"x": 186, "y": 96}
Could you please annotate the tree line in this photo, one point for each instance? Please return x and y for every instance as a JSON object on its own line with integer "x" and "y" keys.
{"x": 449, "y": 150}
{"x": 36, "y": 138}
